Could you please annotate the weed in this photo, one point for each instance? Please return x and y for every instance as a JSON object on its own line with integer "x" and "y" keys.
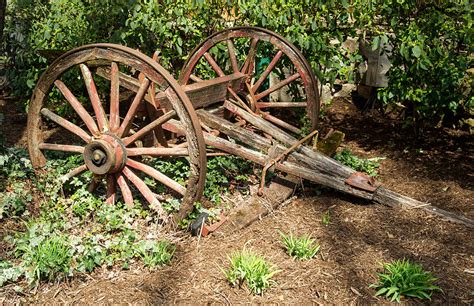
{"x": 13, "y": 202}
{"x": 300, "y": 247}
{"x": 404, "y": 278}
{"x": 156, "y": 253}
{"x": 254, "y": 270}
{"x": 9, "y": 272}
{"x": 326, "y": 218}
{"x": 368, "y": 166}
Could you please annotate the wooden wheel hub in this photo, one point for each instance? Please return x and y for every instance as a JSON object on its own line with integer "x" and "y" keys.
{"x": 105, "y": 155}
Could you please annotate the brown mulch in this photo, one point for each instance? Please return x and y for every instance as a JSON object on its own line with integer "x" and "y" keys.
{"x": 360, "y": 236}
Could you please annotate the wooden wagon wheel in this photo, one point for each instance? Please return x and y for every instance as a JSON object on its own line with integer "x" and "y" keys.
{"x": 263, "y": 48}
{"x": 111, "y": 133}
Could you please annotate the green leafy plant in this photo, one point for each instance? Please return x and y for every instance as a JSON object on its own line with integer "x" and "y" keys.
{"x": 156, "y": 253}
{"x": 300, "y": 247}
{"x": 404, "y": 278}
{"x": 9, "y": 272}
{"x": 369, "y": 166}
{"x": 251, "y": 269}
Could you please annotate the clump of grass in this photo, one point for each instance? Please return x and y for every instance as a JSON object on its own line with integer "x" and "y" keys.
{"x": 404, "y": 278}
{"x": 252, "y": 269}
{"x": 369, "y": 166}
{"x": 300, "y": 247}
{"x": 49, "y": 260}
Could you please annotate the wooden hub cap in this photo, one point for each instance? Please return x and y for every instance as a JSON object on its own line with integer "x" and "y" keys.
{"x": 106, "y": 154}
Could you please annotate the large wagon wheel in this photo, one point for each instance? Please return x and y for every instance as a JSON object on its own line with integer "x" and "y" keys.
{"x": 262, "y": 52}
{"x": 110, "y": 133}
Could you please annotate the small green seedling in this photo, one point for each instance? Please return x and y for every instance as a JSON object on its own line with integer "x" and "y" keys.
{"x": 404, "y": 278}
{"x": 326, "y": 218}
{"x": 252, "y": 269}
{"x": 300, "y": 247}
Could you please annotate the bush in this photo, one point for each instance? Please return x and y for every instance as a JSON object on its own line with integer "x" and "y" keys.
{"x": 431, "y": 40}
{"x": 431, "y": 53}
{"x": 404, "y": 278}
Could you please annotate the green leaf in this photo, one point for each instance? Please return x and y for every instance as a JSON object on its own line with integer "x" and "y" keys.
{"x": 416, "y": 50}
{"x": 375, "y": 43}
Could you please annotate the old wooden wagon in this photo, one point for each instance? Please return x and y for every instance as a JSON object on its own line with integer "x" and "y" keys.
{"x": 228, "y": 98}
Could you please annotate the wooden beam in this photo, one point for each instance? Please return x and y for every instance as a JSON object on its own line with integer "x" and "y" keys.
{"x": 201, "y": 94}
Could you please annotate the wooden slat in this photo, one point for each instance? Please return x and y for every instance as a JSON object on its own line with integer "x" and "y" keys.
{"x": 201, "y": 94}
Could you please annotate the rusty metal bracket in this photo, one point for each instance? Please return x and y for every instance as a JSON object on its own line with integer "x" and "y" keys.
{"x": 273, "y": 161}
{"x": 362, "y": 181}
{"x": 207, "y": 229}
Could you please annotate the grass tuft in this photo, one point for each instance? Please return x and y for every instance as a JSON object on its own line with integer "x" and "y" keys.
{"x": 300, "y": 247}
{"x": 252, "y": 269}
{"x": 404, "y": 278}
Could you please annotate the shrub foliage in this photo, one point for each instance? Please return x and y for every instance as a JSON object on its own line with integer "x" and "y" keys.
{"x": 431, "y": 40}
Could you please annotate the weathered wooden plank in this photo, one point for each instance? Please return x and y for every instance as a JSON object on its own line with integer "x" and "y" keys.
{"x": 232, "y": 130}
{"x": 391, "y": 198}
{"x": 201, "y": 94}
{"x": 325, "y": 164}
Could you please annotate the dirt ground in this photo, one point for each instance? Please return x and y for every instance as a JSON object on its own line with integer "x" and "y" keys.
{"x": 360, "y": 235}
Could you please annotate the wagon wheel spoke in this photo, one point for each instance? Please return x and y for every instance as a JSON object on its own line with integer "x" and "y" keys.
{"x": 248, "y": 65}
{"x": 148, "y": 128}
{"x": 111, "y": 189}
{"x": 77, "y": 106}
{"x": 195, "y": 78}
{"x": 158, "y": 151}
{"x": 126, "y": 192}
{"x": 157, "y": 175}
{"x": 280, "y": 104}
{"x": 74, "y": 172}
{"x": 213, "y": 64}
{"x": 278, "y": 86}
{"x": 93, "y": 184}
{"x": 144, "y": 190}
{"x": 127, "y": 121}
{"x": 94, "y": 98}
{"x": 232, "y": 56}
{"x": 68, "y": 125}
{"x": 280, "y": 122}
{"x": 267, "y": 71}
{"x": 114, "y": 115}
{"x": 60, "y": 147}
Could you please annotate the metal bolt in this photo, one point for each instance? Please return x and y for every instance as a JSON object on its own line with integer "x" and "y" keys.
{"x": 99, "y": 157}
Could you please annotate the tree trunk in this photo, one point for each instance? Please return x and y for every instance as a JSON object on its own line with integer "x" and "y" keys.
{"x": 3, "y": 10}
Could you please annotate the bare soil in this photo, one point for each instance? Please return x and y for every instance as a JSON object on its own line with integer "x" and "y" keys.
{"x": 360, "y": 235}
